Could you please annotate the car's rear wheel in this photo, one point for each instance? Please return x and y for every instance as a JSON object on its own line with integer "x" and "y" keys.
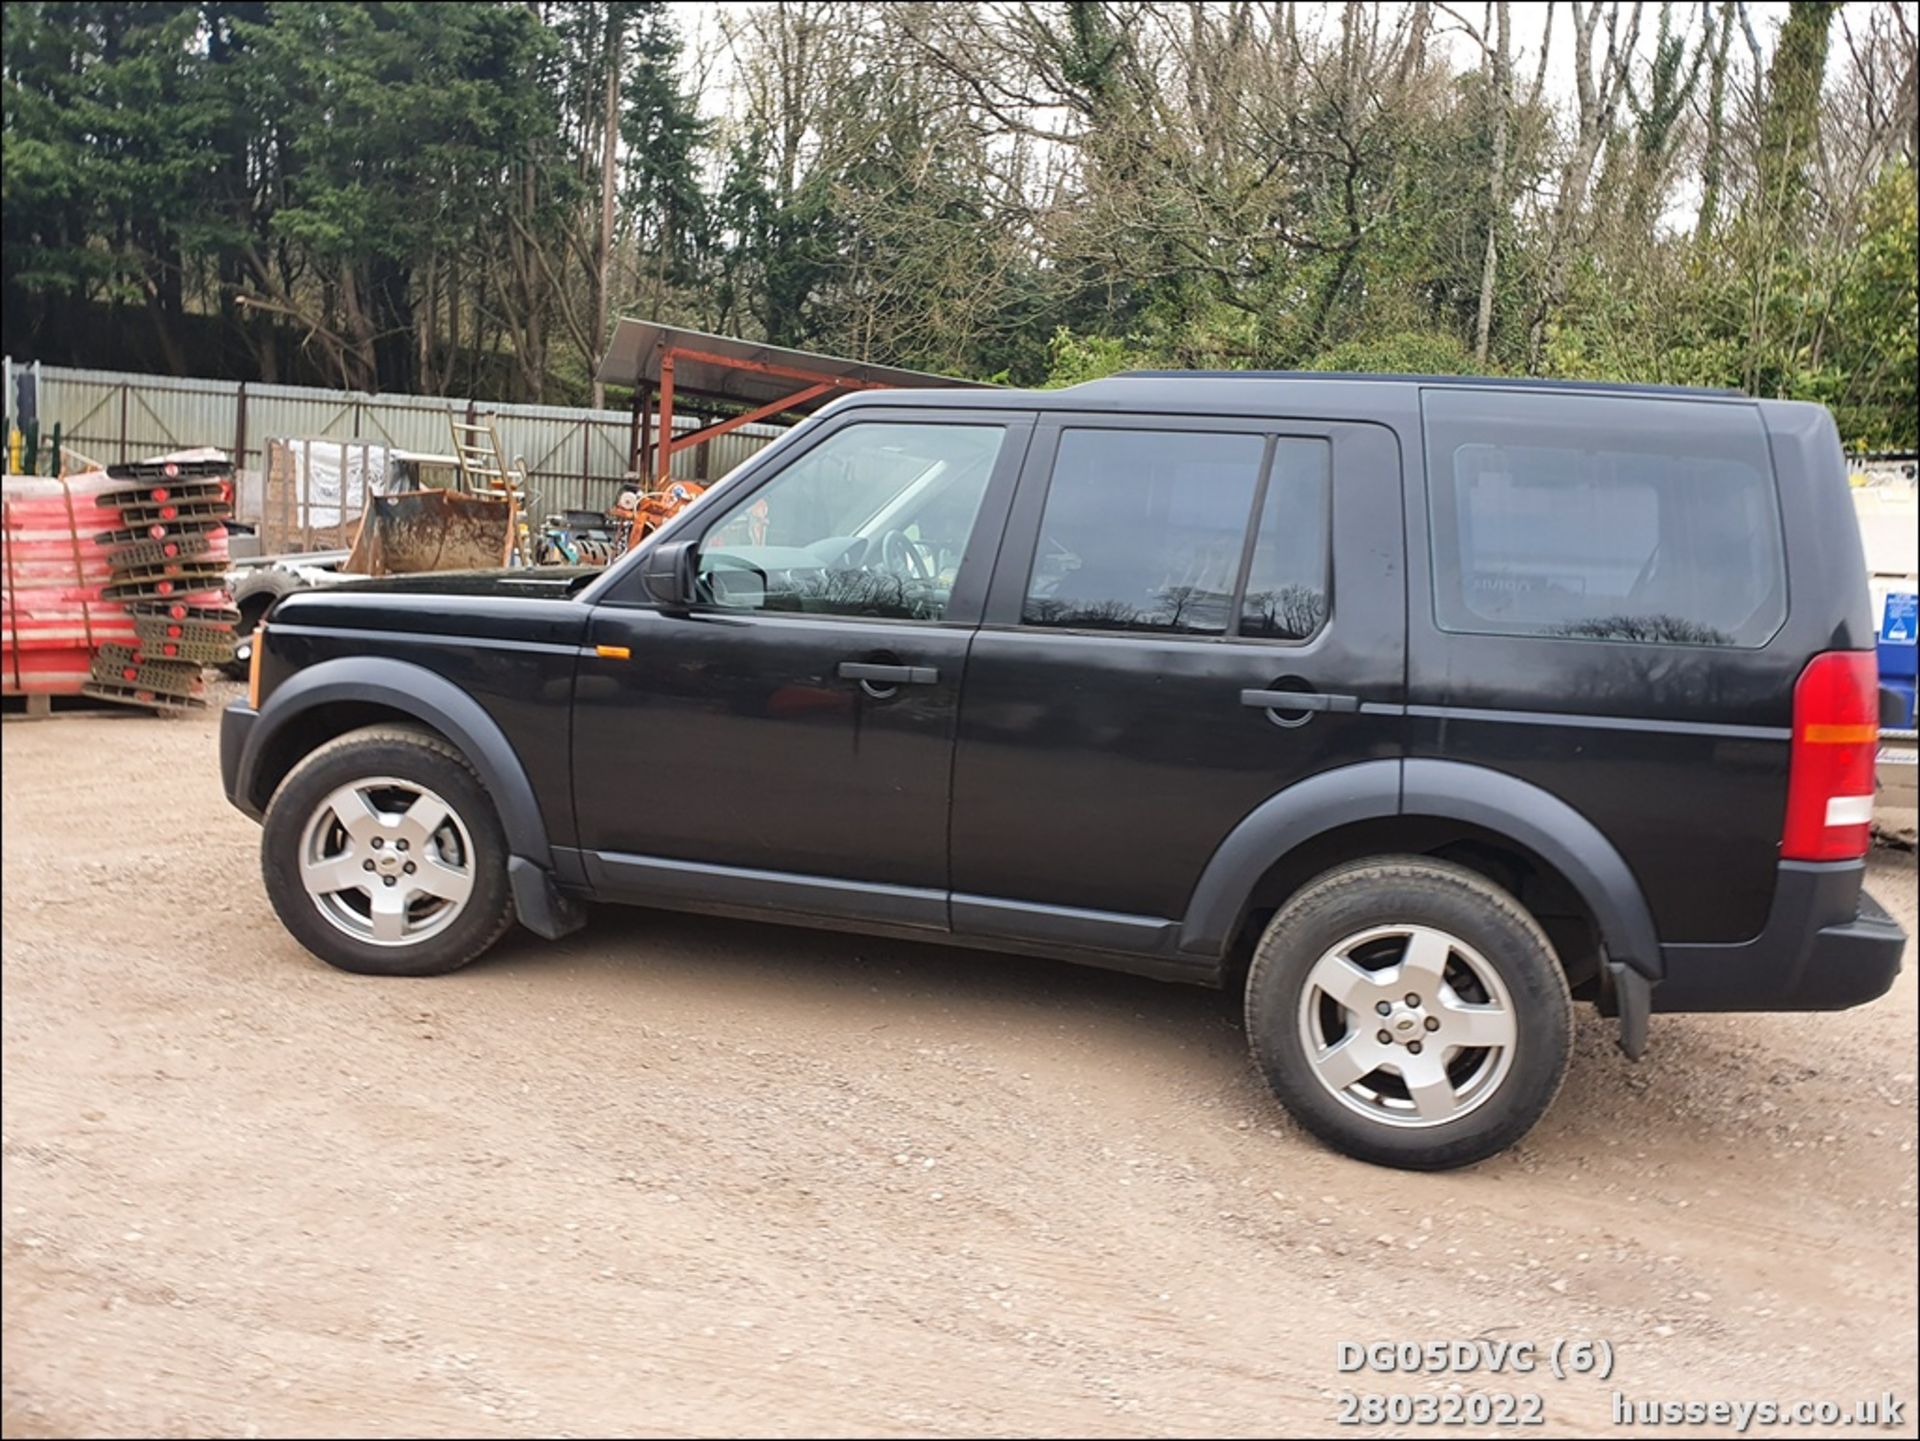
{"x": 382, "y": 854}
{"x": 1409, "y": 1012}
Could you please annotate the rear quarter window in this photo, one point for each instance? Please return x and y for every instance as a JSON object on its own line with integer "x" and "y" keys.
{"x": 1603, "y": 518}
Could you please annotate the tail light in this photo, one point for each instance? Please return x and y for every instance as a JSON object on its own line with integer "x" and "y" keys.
{"x": 1836, "y": 731}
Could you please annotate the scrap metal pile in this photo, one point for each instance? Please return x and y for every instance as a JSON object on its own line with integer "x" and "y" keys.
{"x": 113, "y": 583}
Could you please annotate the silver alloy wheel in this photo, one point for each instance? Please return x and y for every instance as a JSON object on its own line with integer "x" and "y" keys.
{"x": 387, "y": 861}
{"x": 1407, "y": 1025}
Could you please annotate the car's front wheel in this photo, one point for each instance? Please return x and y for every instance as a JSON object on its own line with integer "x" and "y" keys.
{"x": 382, "y": 854}
{"x": 1409, "y": 1012}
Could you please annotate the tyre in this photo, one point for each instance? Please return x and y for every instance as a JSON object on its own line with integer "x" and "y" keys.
{"x": 1409, "y": 1012}
{"x": 382, "y": 854}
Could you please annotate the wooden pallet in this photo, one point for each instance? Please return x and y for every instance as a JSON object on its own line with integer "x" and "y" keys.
{"x": 42, "y": 705}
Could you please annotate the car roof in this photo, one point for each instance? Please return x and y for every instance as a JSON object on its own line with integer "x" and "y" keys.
{"x": 1262, "y": 393}
{"x": 1502, "y": 382}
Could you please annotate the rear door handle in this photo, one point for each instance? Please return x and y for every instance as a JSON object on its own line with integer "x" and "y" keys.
{"x": 1298, "y": 700}
{"x": 889, "y": 674}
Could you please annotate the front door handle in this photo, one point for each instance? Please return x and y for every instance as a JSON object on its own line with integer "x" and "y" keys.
{"x": 873, "y": 674}
{"x": 1298, "y": 700}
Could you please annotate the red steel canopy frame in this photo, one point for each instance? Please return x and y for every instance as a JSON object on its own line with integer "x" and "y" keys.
{"x": 769, "y": 379}
{"x": 813, "y": 386}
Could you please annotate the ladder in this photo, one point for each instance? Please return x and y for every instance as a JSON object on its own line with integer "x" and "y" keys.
{"x": 484, "y": 471}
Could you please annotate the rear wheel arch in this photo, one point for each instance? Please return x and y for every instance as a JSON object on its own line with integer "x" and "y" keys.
{"x": 1540, "y": 888}
{"x": 1518, "y": 836}
{"x": 1542, "y": 825}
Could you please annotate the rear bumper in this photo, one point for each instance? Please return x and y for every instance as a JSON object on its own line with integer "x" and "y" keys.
{"x": 236, "y": 727}
{"x": 1827, "y": 945}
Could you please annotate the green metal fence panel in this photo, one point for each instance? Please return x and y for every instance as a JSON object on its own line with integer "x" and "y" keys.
{"x": 572, "y": 457}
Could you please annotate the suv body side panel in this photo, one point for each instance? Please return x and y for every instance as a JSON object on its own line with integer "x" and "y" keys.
{"x": 1677, "y": 754}
{"x": 1098, "y": 771}
{"x": 1644, "y": 773}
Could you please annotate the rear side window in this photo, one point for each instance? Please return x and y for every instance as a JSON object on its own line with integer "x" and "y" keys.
{"x": 1148, "y": 530}
{"x": 1603, "y": 518}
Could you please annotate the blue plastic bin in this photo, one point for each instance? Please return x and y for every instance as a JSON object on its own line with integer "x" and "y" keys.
{"x": 1897, "y": 648}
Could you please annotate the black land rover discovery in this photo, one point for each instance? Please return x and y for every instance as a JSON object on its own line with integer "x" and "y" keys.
{"x": 1419, "y": 708}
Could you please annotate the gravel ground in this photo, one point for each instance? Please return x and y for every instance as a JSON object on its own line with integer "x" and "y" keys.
{"x": 678, "y": 1176}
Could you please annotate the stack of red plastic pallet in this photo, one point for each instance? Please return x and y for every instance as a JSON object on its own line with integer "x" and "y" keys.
{"x": 114, "y": 581}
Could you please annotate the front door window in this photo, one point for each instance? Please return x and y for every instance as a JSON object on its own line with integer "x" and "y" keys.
{"x": 872, "y": 522}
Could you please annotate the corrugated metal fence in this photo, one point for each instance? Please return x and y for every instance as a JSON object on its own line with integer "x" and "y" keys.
{"x": 572, "y": 457}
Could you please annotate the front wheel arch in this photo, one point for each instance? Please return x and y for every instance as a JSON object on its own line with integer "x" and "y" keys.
{"x": 323, "y": 701}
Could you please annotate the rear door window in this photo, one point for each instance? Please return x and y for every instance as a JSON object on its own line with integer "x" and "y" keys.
{"x": 1603, "y": 518}
{"x": 1148, "y": 531}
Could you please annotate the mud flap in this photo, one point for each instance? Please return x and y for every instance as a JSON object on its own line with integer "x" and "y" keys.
{"x": 542, "y": 907}
{"x": 1629, "y": 995}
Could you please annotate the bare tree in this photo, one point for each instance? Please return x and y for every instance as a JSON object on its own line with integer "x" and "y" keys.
{"x": 1714, "y": 157}
{"x": 1657, "y": 113}
{"x": 1497, "y": 54}
{"x": 1597, "y": 100}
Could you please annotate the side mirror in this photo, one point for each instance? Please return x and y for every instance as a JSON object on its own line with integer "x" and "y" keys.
{"x": 667, "y": 573}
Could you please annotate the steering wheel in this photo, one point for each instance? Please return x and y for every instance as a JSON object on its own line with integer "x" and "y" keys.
{"x": 900, "y": 555}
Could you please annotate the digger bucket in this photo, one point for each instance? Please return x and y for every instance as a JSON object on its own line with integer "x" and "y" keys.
{"x": 427, "y": 530}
